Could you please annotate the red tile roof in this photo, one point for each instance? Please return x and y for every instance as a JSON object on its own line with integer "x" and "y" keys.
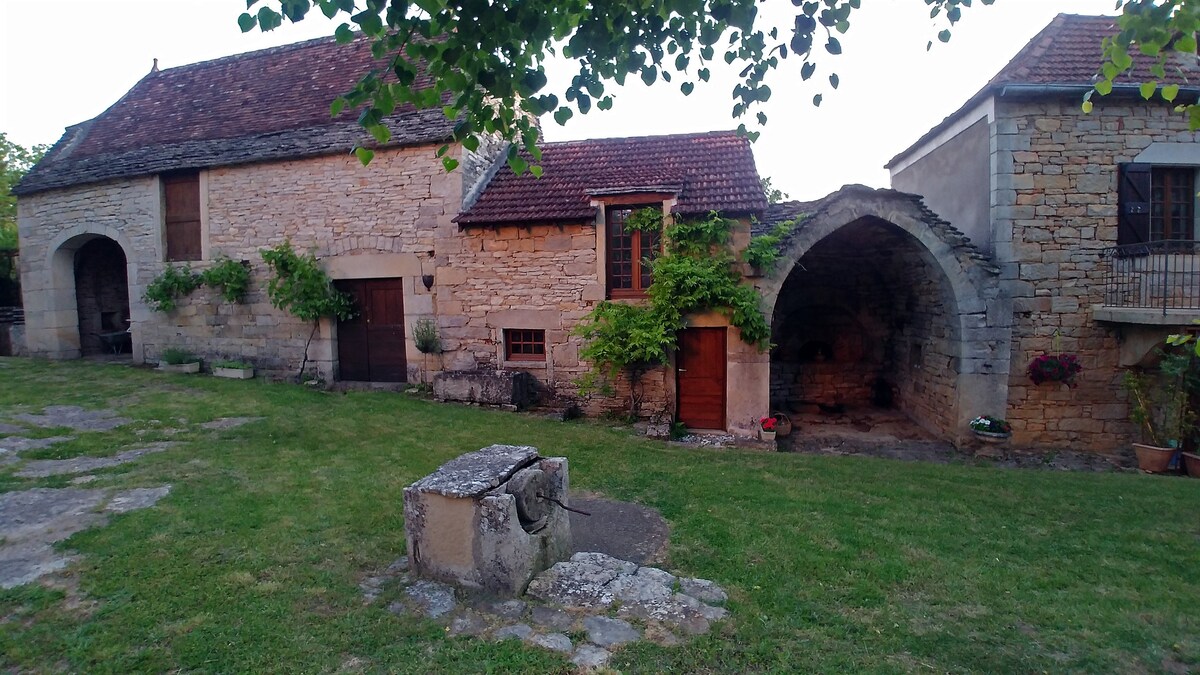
{"x": 1067, "y": 53}
{"x": 713, "y": 171}
{"x": 268, "y": 104}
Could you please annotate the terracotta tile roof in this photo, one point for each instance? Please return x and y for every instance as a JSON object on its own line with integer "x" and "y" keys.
{"x": 713, "y": 171}
{"x": 1067, "y": 53}
{"x": 262, "y": 105}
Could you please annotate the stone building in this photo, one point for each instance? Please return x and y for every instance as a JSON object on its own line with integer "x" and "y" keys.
{"x": 932, "y": 304}
{"x": 1089, "y": 218}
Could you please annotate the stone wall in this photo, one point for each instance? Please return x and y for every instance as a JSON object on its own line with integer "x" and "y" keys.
{"x": 384, "y": 220}
{"x": 1055, "y": 208}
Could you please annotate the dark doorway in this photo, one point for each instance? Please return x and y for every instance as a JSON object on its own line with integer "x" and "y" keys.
{"x": 700, "y": 377}
{"x": 102, "y": 297}
{"x": 371, "y": 345}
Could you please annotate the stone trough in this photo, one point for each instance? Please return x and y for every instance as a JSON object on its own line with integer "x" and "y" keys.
{"x": 489, "y": 520}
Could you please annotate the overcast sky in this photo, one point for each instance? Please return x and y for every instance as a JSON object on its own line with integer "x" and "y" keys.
{"x": 66, "y": 61}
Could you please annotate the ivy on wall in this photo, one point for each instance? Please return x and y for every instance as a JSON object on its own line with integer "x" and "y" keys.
{"x": 230, "y": 278}
{"x": 697, "y": 272}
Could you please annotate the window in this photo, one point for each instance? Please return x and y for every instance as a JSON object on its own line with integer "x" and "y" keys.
{"x": 1172, "y": 203}
{"x": 628, "y": 252}
{"x": 181, "y": 221}
{"x": 522, "y": 344}
{"x": 1155, "y": 203}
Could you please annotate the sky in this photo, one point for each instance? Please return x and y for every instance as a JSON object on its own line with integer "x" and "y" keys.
{"x": 67, "y": 61}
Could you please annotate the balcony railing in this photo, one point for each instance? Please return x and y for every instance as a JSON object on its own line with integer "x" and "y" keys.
{"x": 1156, "y": 275}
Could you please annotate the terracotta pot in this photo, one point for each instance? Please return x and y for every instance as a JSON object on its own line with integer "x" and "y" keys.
{"x": 1192, "y": 463}
{"x": 1153, "y": 459}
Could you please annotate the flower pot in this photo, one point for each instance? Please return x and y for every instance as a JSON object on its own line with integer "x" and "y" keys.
{"x": 768, "y": 436}
{"x": 1153, "y": 459}
{"x": 1191, "y": 462}
{"x": 193, "y": 367}
{"x": 992, "y": 437}
{"x": 234, "y": 373}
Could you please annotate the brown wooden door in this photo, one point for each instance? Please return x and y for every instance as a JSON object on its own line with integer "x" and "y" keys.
{"x": 371, "y": 345}
{"x": 700, "y": 377}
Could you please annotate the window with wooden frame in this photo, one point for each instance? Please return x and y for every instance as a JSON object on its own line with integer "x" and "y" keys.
{"x": 1172, "y": 203}
{"x": 628, "y": 253}
{"x": 181, "y": 216}
{"x": 524, "y": 344}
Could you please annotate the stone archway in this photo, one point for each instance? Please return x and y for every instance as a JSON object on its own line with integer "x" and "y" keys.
{"x": 102, "y": 297}
{"x": 897, "y": 300}
{"x": 98, "y": 263}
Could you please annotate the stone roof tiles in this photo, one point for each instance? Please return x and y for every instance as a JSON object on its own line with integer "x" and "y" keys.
{"x": 712, "y": 171}
{"x": 261, "y": 105}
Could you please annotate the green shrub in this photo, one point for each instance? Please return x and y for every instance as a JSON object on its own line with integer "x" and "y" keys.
{"x": 230, "y": 278}
{"x": 234, "y": 365}
{"x": 174, "y": 356}
{"x": 174, "y": 283}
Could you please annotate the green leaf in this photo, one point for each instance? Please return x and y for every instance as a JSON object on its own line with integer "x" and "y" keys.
{"x": 536, "y": 170}
{"x": 562, "y": 115}
{"x": 1104, "y": 87}
{"x": 944, "y": 35}
{"x": 834, "y": 81}
{"x": 687, "y": 88}
{"x": 817, "y": 100}
{"x": 449, "y": 163}
{"x": 517, "y": 164}
{"x": 1087, "y": 106}
{"x": 1146, "y": 89}
{"x": 338, "y": 105}
{"x": 344, "y": 34}
{"x": 807, "y": 70}
{"x": 247, "y": 22}
{"x": 364, "y": 155}
{"x": 1170, "y": 91}
{"x": 833, "y": 46}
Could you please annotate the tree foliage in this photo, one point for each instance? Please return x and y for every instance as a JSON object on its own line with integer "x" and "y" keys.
{"x": 15, "y": 160}
{"x": 489, "y": 57}
{"x": 1164, "y": 30}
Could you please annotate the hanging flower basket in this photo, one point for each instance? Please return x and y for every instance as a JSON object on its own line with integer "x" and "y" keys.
{"x": 1055, "y": 368}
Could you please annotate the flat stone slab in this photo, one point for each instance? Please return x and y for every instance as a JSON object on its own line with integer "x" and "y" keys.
{"x": 555, "y": 642}
{"x": 18, "y": 444}
{"x": 520, "y": 631}
{"x": 7, "y": 429}
{"x": 591, "y": 656}
{"x": 433, "y": 598}
{"x": 620, "y": 529}
{"x": 222, "y": 423}
{"x": 32, "y": 521}
{"x": 56, "y": 467}
{"x": 474, "y": 473}
{"x": 74, "y": 417}
{"x": 608, "y": 632}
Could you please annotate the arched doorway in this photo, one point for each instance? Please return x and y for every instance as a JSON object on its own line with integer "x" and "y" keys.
{"x": 102, "y": 297}
{"x": 877, "y": 302}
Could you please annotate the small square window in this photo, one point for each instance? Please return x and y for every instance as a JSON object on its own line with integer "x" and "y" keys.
{"x": 521, "y": 344}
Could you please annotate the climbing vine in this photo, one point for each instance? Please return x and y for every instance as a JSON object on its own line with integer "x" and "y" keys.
{"x": 228, "y": 277}
{"x": 300, "y": 287}
{"x": 695, "y": 273}
{"x": 163, "y": 293}
{"x": 763, "y": 251}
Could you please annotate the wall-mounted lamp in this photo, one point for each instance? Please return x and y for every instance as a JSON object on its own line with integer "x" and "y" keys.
{"x": 427, "y": 279}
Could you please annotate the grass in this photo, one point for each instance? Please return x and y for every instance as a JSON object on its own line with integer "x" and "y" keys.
{"x": 833, "y": 564}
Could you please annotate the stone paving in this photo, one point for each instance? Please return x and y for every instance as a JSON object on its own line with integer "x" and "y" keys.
{"x": 612, "y": 602}
{"x": 33, "y": 521}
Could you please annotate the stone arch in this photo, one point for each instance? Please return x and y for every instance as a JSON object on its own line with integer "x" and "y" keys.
{"x": 977, "y": 311}
{"x": 55, "y": 297}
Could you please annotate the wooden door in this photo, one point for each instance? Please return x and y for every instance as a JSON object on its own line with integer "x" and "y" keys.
{"x": 700, "y": 378}
{"x": 371, "y": 345}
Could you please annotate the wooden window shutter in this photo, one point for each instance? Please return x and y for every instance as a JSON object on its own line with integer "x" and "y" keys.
{"x": 181, "y": 196}
{"x": 1133, "y": 203}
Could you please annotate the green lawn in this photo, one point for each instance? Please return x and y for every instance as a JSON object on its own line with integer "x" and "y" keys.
{"x": 833, "y": 564}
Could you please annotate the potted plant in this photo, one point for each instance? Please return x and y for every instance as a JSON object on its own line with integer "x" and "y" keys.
{"x": 234, "y": 370}
{"x": 1055, "y": 368}
{"x": 766, "y": 428}
{"x": 991, "y": 429}
{"x": 1160, "y": 407}
{"x": 176, "y": 360}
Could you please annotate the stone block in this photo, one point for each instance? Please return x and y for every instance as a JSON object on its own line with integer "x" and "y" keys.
{"x": 487, "y": 519}
{"x": 490, "y": 387}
